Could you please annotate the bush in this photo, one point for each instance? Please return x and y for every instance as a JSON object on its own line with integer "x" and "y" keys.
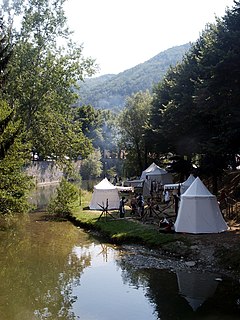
{"x": 66, "y": 199}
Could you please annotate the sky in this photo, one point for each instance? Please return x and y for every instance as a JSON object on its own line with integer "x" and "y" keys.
{"x": 120, "y": 34}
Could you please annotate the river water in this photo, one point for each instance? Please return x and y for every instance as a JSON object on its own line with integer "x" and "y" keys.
{"x": 54, "y": 270}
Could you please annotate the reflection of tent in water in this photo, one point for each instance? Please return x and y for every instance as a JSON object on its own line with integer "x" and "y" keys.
{"x": 196, "y": 288}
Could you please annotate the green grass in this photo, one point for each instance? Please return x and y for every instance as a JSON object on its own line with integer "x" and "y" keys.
{"x": 120, "y": 230}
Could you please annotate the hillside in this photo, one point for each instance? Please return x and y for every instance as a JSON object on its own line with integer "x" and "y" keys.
{"x": 110, "y": 91}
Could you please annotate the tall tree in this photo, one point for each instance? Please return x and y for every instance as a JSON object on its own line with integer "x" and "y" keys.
{"x": 42, "y": 75}
{"x": 133, "y": 122}
{"x": 197, "y": 105}
{"x": 14, "y": 184}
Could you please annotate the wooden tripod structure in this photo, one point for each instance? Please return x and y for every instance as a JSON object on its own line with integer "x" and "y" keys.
{"x": 105, "y": 211}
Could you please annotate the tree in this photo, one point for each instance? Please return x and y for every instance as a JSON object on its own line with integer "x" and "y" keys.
{"x": 197, "y": 105}
{"x": 91, "y": 167}
{"x": 14, "y": 184}
{"x": 42, "y": 76}
{"x": 133, "y": 122}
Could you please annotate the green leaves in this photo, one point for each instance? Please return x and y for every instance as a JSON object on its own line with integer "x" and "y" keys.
{"x": 14, "y": 184}
{"x": 42, "y": 77}
{"x": 133, "y": 121}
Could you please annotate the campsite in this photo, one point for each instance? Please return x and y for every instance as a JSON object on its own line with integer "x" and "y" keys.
{"x": 205, "y": 237}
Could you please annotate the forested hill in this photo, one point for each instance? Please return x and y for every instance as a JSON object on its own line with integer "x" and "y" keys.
{"x": 110, "y": 91}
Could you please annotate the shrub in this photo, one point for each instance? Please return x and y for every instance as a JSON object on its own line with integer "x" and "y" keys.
{"x": 66, "y": 199}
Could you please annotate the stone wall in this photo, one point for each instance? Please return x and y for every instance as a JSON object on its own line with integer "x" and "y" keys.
{"x": 44, "y": 172}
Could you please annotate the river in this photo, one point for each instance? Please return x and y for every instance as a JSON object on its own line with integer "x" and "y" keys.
{"x": 54, "y": 270}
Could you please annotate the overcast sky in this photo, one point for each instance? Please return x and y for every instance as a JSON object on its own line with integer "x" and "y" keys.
{"x": 120, "y": 34}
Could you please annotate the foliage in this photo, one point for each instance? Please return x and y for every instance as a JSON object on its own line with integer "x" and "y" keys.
{"x": 42, "y": 76}
{"x": 100, "y": 126}
{"x": 14, "y": 184}
{"x": 91, "y": 167}
{"x": 195, "y": 110}
{"x": 133, "y": 122}
{"x": 111, "y": 91}
{"x": 66, "y": 199}
{"x": 14, "y": 149}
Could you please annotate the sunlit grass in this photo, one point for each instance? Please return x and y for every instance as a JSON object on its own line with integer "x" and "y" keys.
{"x": 118, "y": 230}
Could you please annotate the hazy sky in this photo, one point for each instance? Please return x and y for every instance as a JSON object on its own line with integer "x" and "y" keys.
{"x": 120, "y": 34}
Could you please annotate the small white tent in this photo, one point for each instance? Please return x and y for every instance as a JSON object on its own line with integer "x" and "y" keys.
{"x": 102, "y": 192}
{"x": 199, "y": 211}
{"x": 149, "y": 169}
{"x": 155, "y": 173}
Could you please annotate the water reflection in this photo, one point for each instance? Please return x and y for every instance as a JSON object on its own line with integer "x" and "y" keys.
{"x": 187, "y": 295}
{"x": 53, "y": 270}
{"x": 196, "y": 288}
{"x": 41, "y": 195}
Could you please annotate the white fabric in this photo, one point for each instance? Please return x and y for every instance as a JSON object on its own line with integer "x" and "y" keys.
{"x": 183, "y": 186}
{"x": 199, "y": 211}
{"x": 102, "y": 192}
{"x": 155, "y": 173}
{"x": 171, "y": 186}
{"x": 121, "y": 188}
{"x": 186, "y": 184}
{"x": 149, "y": 169}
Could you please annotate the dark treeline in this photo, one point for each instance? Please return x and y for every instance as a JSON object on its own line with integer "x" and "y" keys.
{"x": 195, "y": 109}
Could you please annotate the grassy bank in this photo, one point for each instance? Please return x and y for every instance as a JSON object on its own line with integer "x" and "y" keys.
{"x": 116, "y": 230}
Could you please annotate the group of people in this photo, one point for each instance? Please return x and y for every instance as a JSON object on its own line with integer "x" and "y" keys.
{"x": 136, "y": 204}
{"x": 137, "y": 208}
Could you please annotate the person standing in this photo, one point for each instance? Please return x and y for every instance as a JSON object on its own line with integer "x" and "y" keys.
{"x": 140, "y": 203}
{"x": 121, "y": 207}
{"x": 133, "y": 205}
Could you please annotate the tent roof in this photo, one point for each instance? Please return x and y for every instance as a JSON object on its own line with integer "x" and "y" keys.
{"x": 197, "y": 189}
{"x": 151, "y": 167}
{"x": 104, "y": 185}
{"x": 189, "y": 181}
{"x": 156, "y": 171}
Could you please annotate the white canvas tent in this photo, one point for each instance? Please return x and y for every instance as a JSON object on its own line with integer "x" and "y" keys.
{"x": 199, "y": 211}
{"x": 149, "y": 169}
{"x": 102, "y": 192}
{"x": 155, "y": 173}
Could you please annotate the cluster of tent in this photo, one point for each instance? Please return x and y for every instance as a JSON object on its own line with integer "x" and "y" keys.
{"x": 198, "y": 212}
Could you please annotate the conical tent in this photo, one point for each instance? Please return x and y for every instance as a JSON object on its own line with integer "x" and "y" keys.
{"x": 149, "y": 169}
{"x": 199, "y": 211}
{"x": 186, "y": 184}
{"x": 104, "y": 191}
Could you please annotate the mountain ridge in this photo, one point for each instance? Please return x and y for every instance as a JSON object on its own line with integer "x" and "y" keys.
{"x": 110, "y": 91}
